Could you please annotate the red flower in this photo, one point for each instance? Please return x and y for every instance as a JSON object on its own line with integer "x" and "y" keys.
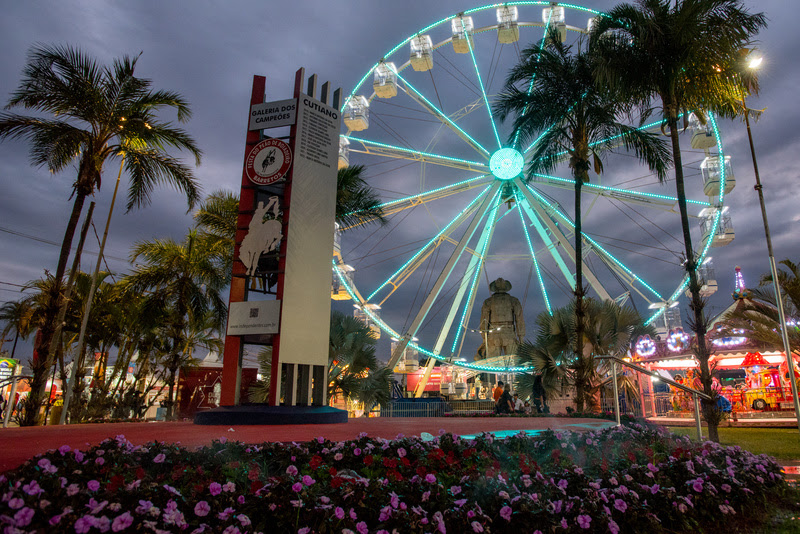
{"x": 115, "y": 482}
{"x": 391, "y": 463}
{"x": 368, "y": 459}
{"x": 316, "y": 461}
{"x": 332, "y": 471}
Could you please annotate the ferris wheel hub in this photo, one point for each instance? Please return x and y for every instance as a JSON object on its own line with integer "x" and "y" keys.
{"x": 506, "y": 164}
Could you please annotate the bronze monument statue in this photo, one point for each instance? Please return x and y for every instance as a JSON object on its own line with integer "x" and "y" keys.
{"x": 502, "y": 323}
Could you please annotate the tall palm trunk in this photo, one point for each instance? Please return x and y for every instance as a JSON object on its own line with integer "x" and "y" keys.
{"x": 696, "y": 304}
{"x": 14, "y": 346}
{"x": 579, "y": 174}
{"x": 43, "y": 360}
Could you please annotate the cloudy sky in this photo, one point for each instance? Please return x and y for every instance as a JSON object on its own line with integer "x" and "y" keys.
{"x": 209, "y": 51}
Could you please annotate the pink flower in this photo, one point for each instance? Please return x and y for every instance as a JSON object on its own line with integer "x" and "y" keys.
{"x": 620, "y": 505}
{"x": 401, "y": 452}
{"x": 78, "y": 456}
{"x": 32, "y": 488}
{"x": 230, "y": 487}
{"x": 159, "y": 458}
{"x": 121, "y": 522}
{"x": 430, "y": 478}
{"x": 505, "y": 513}
{"x": 613, "y": 527}
{"x": 23, "y": 517}
{"x": 584, "y": 521}
{"x": 726, "y": 488}
{"x": 357, "y": 451}
{"x": 202, "y": 508}
{"x": 16, "y": 503}
{"x": 455, "y": 490}
{"x": 698, "y": 485}
{"x": 304, "y": 530}
{"x": 84, "y": 524}
{"x": 476, "y": 527}
{"x": 297, "y": 487}
{"x": 291, "y": 470}
{"x": 362, "y": 528}
{"x": 339, "y": 513}
{"x": 99, "y": 461}
{"x": 93, "y": 485}
{"x": 308, "y": 481}
{"x": 215, "y": 488}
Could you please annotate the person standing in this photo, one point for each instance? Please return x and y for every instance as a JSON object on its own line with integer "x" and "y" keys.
{"x": 497, "y": 392}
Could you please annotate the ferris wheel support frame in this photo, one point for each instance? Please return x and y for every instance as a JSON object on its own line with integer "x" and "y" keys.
{"x": 561, "y": 238}
{"x": 475, "y": 266}
{"x": 444, "y": 275}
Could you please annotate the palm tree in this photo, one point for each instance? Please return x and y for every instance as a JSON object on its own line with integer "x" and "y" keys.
{"x": 758, "y": 315}
{"x": 217, "y": 218}
{"x": 93, "y": 114}
{"x": 17, "y": 318}
{"x": 684, "y": 55}
{"x": 356, "y": 204}
{"x": 608, "y": 330}
{"x": 561, "y": 102}
{"x": 185, "y": 283}
{"x": 353, "y": 369}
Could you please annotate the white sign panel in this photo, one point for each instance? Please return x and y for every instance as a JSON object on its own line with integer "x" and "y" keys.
{"x": 305, "y": 319}
{"x": 254, "y": 317}
{"x": 273, "y": 114}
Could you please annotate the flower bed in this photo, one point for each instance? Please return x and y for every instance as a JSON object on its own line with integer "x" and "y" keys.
{"x": 625, "y": 479}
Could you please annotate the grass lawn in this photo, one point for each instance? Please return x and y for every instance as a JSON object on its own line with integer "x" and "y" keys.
{"x": 782, "y": 443}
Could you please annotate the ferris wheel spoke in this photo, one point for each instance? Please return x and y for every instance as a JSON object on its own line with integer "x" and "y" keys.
{"x": 550, "y": 245}
{"x": 515, "y": 144}
{"x": 475, "y": 267}
{"x": 399, "y": 276}
{"x": 608, "y": 258}
{"x": 401, "y": 204}
{"x": 393, "y": 207}
{"x": 489, "y": 200}
{"x": 483, "y": 89}
{"x": 625, "y": 195}
{"x": 533, "y": 255}
{"x": 562, "y": 240}
{"x": 382, "y": 149}
{"x": 418, "y": 97}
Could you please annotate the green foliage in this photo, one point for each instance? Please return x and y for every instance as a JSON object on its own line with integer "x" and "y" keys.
{"x": 353, "y": 369}
{"x": 608, "y": 329}
{"x": 624, "y": 479}
{"x": 87, "y": 114}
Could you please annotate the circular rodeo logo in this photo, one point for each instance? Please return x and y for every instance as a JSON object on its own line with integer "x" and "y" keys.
{"x": 268, "y": 161}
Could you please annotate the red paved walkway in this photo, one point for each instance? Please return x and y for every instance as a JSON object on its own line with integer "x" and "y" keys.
{"x": 20, "y": 444}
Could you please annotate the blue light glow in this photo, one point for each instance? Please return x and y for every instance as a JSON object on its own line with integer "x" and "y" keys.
{"x": 506, "y": 164}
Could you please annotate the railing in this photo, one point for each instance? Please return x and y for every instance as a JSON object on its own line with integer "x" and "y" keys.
{"x": 696, "y": 395}
{"x": 471, "y": 407}
{"x": 414, "y": 409}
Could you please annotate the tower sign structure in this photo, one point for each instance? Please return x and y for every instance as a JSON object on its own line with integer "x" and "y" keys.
{"x": 280, "y": 286}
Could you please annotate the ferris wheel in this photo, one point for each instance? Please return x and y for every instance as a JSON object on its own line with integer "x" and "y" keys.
{"x": 461, "y": 212}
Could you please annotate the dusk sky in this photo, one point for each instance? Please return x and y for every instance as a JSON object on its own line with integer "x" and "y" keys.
{"x": 209, "y": 51}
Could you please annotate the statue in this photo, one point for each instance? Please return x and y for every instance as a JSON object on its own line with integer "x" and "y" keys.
{"x": 501, "y": 322}
{"x": 263, "y": 235}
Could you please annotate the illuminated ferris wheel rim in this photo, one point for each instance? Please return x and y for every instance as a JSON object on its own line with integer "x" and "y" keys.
{"x": 507, "y": 168}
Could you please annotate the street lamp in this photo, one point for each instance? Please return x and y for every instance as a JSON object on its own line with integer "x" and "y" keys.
{"x": 753, "y": 60}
